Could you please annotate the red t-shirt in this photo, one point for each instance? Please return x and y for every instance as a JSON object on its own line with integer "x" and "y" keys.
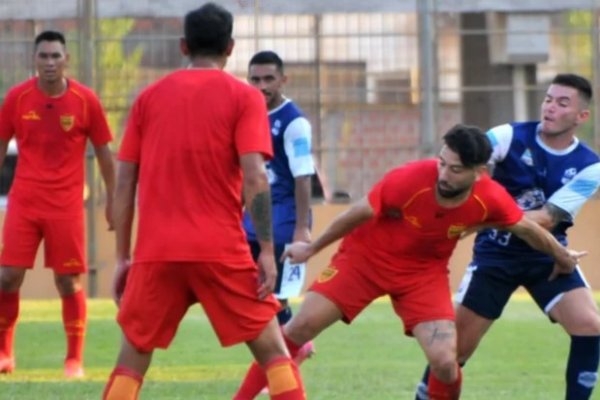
{"x": 411, "y": 231}
{"x": 187, "y": 132}
{"x": 51, "y": 135}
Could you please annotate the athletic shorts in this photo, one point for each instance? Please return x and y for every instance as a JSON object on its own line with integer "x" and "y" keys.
{"x": 486, "y": 287}
{"x": 64, "y": 242}
{"x": 352, "y": 282}
{"x": 295, "y": 277}
{"x": 158, "y": 294}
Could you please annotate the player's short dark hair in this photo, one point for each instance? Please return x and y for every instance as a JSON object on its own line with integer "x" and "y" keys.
{"x": 267, "y": 57}
{"x": 50, "y": 36}
{"x": 583, "y": 86}
{"x": 208, "y": 30}
{"x": 470, "y": 143}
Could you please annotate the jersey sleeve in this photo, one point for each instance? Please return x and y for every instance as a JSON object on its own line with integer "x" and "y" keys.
{"x": 99, "y": 131}
{"x": 501, "y": 138}
{"x": 502, "y": 210}
{"x": 7, "y": 115}
{"x": 131, "y": 144}
{"x": 252, "y": 134}
{"x": 297, "y": 140}
{"x": 578, "y": 190}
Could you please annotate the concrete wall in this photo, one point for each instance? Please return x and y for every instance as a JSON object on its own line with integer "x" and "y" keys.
{"x": 39, "y": 282}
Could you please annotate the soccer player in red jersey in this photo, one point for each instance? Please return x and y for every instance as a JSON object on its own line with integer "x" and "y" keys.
{"x": 51, "y": 118}
{"x": 397, "y": 242}
{"x": 195, "y": 141}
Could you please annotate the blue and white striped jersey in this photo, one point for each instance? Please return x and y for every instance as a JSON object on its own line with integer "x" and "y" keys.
{"x": 535, "y": 174}
{"x": 292, "y": 137}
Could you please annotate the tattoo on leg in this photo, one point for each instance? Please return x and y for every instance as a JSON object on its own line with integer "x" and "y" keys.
{"x": 443, "y": 334}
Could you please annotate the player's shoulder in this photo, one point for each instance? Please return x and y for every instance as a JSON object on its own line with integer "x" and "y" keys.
{"x": 518, "y": 129}
{"x": 21, "y": 88}
{"x": 586, "y": 154}
{"x": 418, "y": 170}
{"x": 80, "y": 89}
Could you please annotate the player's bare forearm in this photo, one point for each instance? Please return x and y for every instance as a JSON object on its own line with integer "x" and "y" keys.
{"x": 344, "y": 223}
{"x": 107, "y": 168}
{"x": 541, "y": 240}
{"x": 257, "y": 196}
{"x": 124, "y": 207}
{"x": 548, "y": 216}
{"x": 259, "y": 207}
{"x": 3, "y": 150}
{"x": 302, "y": 194}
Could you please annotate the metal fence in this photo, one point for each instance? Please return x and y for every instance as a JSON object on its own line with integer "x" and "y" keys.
{"x": 380, "y": 86}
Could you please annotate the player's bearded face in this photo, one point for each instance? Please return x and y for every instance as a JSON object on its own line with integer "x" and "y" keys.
{"x": 269, "y": 80}
{"x": 454, "y": 179}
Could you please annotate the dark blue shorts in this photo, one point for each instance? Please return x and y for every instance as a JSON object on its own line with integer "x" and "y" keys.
{"x": 486, "y": 287}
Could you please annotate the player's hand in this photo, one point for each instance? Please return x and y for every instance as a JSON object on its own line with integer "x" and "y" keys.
{"x": 298, "y": 252}
{"x": 566, "y": 264}
{"x": 301, "y": 235}
{"x": 267, "y": 273}
{"x": 119, "y": 280}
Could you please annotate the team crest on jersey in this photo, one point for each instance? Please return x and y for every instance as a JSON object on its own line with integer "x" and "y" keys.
{"x": 568, "y": 175}
{"x": 67, "y": 122}
{"x": 327, "y": 274}
{"x": 527, "y": 158}
{"x": 455, "y": 231}
{"x": 276, "y": 127}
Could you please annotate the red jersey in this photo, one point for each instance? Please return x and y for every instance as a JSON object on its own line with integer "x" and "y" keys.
{"x": 51, "y": 135}
{"x": 187, "y": 132}
{"x": 411, "y": 228}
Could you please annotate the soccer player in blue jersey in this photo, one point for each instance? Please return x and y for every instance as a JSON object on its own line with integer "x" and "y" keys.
{"x": 551, "y": 174}
{"x": 290, "y": 172}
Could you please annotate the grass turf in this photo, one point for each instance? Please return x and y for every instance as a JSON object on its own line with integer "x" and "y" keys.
{"x": 523, "y": 357}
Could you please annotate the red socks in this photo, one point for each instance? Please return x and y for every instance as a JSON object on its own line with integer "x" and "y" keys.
{"x": 9, "y": 311}
{"x": 74, "y": 313}
{"x": 284, "y": 380}
{"x": 439, "y": 390}
{"x": 123, "y": 384}
{"x": 280, "y": 375}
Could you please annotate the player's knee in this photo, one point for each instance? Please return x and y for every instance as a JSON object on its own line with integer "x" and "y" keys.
{"x": 444, "y": 367}
{"x": 301, "y": 329}
{"x": 590, "y": 325}
{"x": 9, "y": 281}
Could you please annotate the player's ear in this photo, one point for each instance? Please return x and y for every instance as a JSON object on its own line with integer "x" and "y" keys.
{"x": 480, "y": 170}
{"x": 230, "y": 46}
{"x": 583, "y": 116}
{"x": 184, "y": 47}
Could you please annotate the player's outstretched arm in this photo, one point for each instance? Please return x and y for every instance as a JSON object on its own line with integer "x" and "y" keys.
{"x": 343, "y": 224}
{"x": 540, "y": 239}
{"x": 123, "y": 212}
{"x": 257, "y": 197}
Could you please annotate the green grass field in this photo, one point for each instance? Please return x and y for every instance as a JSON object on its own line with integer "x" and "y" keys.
{"x": 521, "y": 358}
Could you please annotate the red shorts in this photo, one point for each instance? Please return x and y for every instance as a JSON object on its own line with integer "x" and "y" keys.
{"x": 64, "y": 242}
{"x": 352, "y": 282}
{"x": 158, "y": 294}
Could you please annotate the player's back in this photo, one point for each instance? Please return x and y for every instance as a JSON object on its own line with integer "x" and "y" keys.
{"x": 190, "y": 180}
